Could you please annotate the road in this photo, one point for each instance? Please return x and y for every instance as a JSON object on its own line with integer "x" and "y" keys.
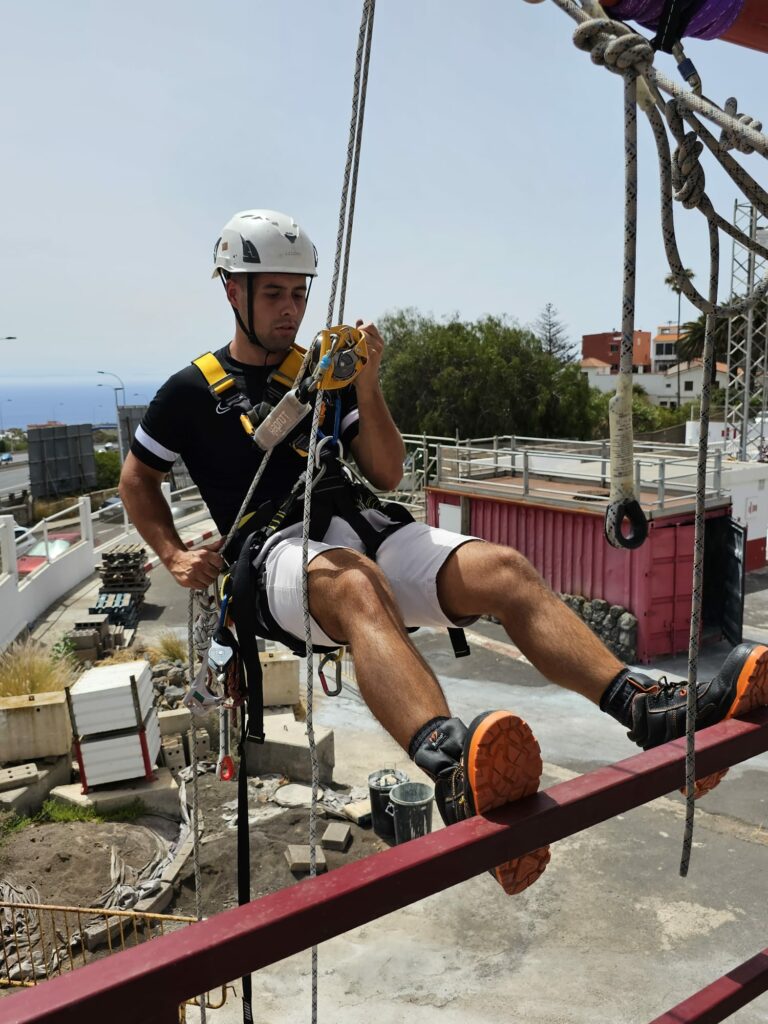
{"x": 14, "y": 476}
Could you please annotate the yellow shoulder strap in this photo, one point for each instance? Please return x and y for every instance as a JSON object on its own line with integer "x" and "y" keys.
{"x": 217, "y": 377}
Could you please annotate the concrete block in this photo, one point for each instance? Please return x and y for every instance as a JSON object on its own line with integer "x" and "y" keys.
{"x": 29, "y": 798}
{"x": 172, "y": 750}
{"x": 359, "y": 812}
{"x": 286, "y": 750}
{"x": 177, "y": 721}
{"x": 336, "y": 837}
{"x": 86, "y": 654}
{"x": 281, "y": 677}
{"x": 298, "y": 859}
{"x": 15, "y": 778}
{"x": 161, "y": 794}
{"x": 202, "y": 745}
{"x": 34, "y": 726}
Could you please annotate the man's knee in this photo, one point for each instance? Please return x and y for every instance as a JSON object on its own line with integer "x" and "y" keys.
{"x": 344, "y": 584}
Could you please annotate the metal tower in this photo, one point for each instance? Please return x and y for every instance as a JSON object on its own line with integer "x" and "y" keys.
{"x": 745, "y": 396}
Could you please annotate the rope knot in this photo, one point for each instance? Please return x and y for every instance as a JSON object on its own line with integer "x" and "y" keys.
{"x": 731, "y": 138}
{"x": 611, "y": 45}
{"x": 688, "y": 178}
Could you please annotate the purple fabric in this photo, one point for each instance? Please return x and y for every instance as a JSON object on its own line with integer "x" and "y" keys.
{"x": 713, "y": 18}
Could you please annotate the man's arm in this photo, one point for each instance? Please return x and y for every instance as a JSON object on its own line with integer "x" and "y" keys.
{"x": 150, "y": 514}
{"x": 378, "y": 447}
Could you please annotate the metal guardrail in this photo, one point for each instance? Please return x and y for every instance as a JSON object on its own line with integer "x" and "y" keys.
{"x": 40, "y": 941}
{"x": 149, "y": 986}
{"x": 552, "y": 469}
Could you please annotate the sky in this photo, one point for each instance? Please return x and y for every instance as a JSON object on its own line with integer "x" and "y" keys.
{"x": 491, "y": 176}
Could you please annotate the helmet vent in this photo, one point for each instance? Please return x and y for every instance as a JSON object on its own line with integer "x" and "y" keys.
{"x": 250, "y": 252}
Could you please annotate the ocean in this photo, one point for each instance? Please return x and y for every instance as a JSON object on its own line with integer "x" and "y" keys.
{"x": 24, "y": 402}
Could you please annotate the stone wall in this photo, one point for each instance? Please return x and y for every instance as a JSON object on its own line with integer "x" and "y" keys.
{"x": 615, "y": 626}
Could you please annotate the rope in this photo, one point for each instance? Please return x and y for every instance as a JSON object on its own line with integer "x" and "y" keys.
{"x": 343, "y": 245}
{"x": 346, "y": 210}
{"x": 691, "y": 707}
{"x": 682, "y": 179}
{"x": 195, "y": 794}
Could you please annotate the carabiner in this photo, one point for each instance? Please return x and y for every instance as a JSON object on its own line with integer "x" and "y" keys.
{"x": 335, "y": 657}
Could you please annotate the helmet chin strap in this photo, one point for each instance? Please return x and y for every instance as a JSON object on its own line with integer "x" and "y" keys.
{"x": 248, "y": 331}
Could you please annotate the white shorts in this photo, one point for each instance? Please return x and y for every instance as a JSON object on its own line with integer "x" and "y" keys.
{"x": 410, "y": 559}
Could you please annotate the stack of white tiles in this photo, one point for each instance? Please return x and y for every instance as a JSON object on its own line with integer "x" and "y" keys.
{"x": 115, "y": 722}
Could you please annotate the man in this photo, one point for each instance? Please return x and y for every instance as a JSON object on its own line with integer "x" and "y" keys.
{"x": 420, "y": 576}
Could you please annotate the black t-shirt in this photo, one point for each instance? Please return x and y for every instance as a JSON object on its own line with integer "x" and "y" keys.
{"x": 185, "y": 419}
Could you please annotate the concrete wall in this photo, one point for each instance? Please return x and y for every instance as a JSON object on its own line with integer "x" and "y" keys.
{"x": 24, "y": 601}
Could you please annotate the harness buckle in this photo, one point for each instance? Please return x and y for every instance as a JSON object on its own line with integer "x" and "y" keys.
{"x": 334, "y": 656}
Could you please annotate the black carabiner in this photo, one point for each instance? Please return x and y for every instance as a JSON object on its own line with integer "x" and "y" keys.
{"x": 337, "y": 659}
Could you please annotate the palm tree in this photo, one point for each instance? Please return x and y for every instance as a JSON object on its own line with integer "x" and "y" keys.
{"x": 674, "y": 281}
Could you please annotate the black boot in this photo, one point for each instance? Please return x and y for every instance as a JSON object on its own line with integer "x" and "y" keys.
{"x": 658, "y": 708}
{"x": 494, "y": 761}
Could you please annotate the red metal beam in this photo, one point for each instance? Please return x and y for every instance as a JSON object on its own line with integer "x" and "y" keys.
{"x": 724, "y": 996}
{"x": 129, "y": 986}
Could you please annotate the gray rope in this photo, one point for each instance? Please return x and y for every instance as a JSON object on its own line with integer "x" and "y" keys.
{"x": 370, "y": 7}
{"x": 310, "y": 668}
{"x": 353, "y": 152}
{"x": 681, "y": 178}
{"x": 195, "y": 790}
{"x": 343, "y": 245}
{"x": 739, "y": 127}
{"x": 691, "y": 709}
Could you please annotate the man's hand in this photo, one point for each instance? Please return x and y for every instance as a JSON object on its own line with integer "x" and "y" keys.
{"x": 369, "y": 375}
{"x": 196, "y": 569}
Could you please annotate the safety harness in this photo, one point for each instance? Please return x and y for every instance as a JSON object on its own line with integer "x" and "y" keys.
{"x": 337, "y": 491}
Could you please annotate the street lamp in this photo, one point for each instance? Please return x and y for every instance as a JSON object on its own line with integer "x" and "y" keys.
{"x": 107, "y": 373}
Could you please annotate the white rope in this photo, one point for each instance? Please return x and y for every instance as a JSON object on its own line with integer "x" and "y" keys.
{"x": 343, "y": 244}
{"x": 195, "y": 792}
{"x": 682, "y": 178}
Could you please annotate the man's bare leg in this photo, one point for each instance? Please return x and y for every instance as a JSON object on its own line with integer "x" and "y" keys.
{"x": 475, "y": 770}
{"x": 481, "y": 578}
{"x": 351, "y": 600}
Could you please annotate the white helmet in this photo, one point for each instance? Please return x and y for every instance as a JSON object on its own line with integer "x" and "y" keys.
{"x": 261, "y": 242}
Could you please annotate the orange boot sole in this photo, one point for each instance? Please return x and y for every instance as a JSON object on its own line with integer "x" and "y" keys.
{"x": 503, "y": 764}
{"x": 751, "y": 693}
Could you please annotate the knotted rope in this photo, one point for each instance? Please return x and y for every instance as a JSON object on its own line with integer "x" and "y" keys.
{"x": 682, "y": 179}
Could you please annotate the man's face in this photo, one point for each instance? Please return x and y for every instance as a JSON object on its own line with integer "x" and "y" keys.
{"x": 279, "y": 303}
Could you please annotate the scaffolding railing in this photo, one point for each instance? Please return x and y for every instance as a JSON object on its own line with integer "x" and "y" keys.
{"x": 561, "y": 472}
{"x": 139, "y": 984}
{"x": 42, "y": 941}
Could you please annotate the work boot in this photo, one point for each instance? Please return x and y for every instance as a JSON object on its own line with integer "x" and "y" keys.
{"x": 658, "y": 709}
{"x": 476, "y": 770}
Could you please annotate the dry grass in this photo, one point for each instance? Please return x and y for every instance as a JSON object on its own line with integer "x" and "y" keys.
{"x": 124, "y": 654}
{"x": 167, "y": 647}
{"x": 27, "y": 667}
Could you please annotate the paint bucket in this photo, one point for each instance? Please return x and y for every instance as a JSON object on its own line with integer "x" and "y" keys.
{"x": 411, "y": 810}
{"x": 380, "y": 784}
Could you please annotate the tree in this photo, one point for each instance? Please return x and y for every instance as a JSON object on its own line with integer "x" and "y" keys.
{"x": 481, "y": 378}
{"x": 691, "y": 344}
{"x": 107, "y": 469}
{"x": 552, "y": 334}
{"x": 675, "y": 282}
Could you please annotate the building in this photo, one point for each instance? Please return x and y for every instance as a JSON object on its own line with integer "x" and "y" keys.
{"x": 661, "y": 387}
{"x": 665, "y": 348}
{"x": 606, "y": 347}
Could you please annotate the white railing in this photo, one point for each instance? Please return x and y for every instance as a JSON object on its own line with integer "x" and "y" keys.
{"x": 64, "y": 554}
